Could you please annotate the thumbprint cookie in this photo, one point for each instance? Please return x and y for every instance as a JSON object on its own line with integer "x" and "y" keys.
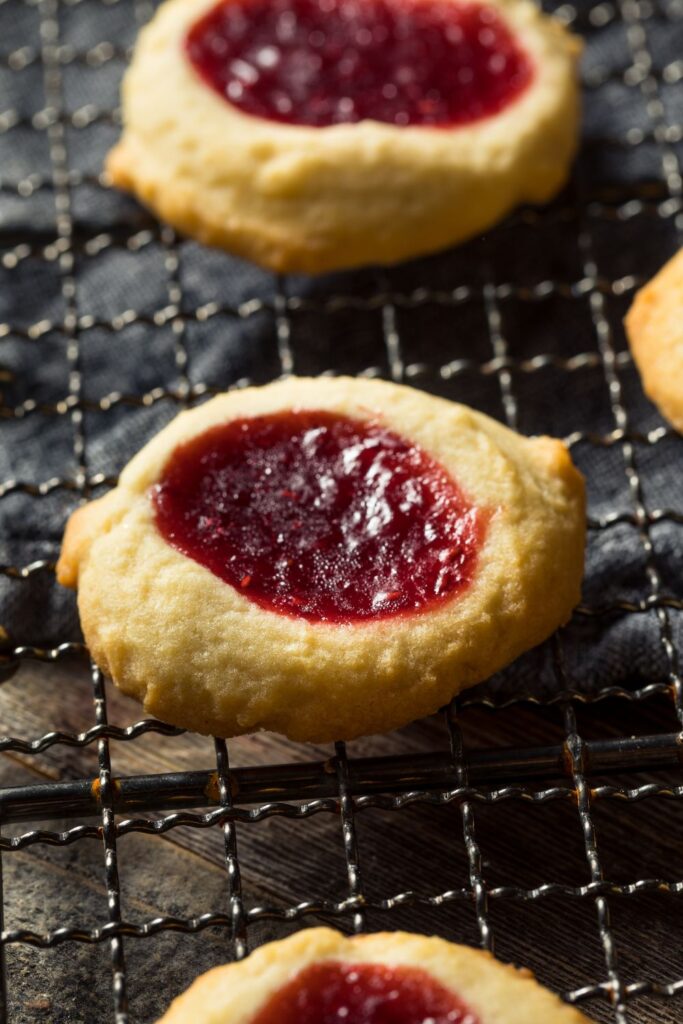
{"x": 319, "y": 976}
{"x": 311, "y": 135}
{"x": 654, "y": 325}
{"x": 324, "y": 558}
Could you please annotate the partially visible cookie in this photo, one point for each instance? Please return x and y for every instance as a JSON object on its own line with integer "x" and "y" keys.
{"x": 311, "y": 135}
{"x": 324, "y": 558}
{"x": 654, "y": 325}
{"x": 319, "y": 976}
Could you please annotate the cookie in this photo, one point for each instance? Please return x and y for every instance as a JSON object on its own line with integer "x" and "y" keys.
{"x": 324, "y": 558}
{"x": 309, "y": 135}
{"x": 319, "y": 976}
{"x": 654, "y": 325}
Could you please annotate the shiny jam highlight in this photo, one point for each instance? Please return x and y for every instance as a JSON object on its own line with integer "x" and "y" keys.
{"x": 340, "y": 993}
{"x": 436, "y": 63}
{"x": 317, "y": 515}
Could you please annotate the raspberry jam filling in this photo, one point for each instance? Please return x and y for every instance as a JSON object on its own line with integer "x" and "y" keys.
{"x": 338, "y": 993}
{"x": 322, "y": 62}
{"x": 319, "y": 516}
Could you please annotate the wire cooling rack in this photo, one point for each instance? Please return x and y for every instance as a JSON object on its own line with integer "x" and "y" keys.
{"x": 110, "y": 324}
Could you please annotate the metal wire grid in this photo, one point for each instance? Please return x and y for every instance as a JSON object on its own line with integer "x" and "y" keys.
{"x": 382, "y": 785}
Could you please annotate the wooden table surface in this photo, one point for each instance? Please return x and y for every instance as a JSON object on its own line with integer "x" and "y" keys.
{"x": 419, "y": 848}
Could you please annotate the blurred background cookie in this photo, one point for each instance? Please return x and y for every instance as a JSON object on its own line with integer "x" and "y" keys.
{"x": 654, "y": 325}
{"x": 320, "y": 976}
{"x": 309, "y": 136}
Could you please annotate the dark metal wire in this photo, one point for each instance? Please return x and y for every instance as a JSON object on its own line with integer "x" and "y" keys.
{"x": 477, "y": 883}
{"x": 347, "y": 814}
{"x": 223, "y": 781}
{"x": 105, "y": 789}
{"x": 271, "y": 787}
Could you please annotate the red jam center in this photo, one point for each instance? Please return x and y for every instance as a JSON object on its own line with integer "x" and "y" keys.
{"x": 337, "y": 993}
{"x": 324, "y": 62}
{"x": 320, "y": 516}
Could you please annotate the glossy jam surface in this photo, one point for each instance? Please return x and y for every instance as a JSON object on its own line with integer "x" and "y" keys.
{"x": 324, "y": 62}
{"x": 320, "y": 516}
{"x": 341, "y": 993}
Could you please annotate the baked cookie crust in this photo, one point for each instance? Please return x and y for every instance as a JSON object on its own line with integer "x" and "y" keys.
{"x": 654, "y": 325}
{"x": 296, "y": 198}
{"x": 497, "y": 993}
{"x": 199, "y": 653}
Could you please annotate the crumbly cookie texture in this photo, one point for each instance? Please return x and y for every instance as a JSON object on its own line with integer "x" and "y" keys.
{"x": 654, "y": 325}
{"x": 497, "y": 993}
{"x": 199, "y": 653}
{"x": 295, "y": 198}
